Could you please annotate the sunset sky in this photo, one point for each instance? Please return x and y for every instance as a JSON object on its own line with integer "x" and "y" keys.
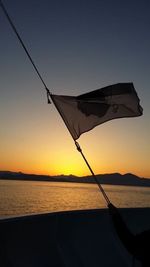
{"x": 78, "y": 46}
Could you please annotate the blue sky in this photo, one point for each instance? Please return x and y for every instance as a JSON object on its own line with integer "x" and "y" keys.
{"x": 78, "y": 46}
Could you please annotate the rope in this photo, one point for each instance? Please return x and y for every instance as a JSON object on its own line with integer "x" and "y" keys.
{"x": 25, "y": 49}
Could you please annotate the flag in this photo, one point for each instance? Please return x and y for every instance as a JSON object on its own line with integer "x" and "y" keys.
{"x": 82, "y": 113}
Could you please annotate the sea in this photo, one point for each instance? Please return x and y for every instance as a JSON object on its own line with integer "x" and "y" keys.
{"x": 19, "y": 198}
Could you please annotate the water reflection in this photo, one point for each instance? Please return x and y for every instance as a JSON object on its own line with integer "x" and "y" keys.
{"x": 27, "y": 197}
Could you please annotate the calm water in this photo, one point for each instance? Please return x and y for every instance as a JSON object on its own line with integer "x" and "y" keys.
{"x": 25, "y": 197}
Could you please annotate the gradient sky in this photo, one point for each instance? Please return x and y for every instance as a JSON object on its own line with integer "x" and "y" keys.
{"x": 78, "y": 46}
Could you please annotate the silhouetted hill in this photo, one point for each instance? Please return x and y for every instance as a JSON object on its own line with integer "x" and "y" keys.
{"x": 113, "y": 179}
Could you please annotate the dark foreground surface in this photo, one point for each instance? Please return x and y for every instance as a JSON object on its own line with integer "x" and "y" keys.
{"x": 71, "y": 239}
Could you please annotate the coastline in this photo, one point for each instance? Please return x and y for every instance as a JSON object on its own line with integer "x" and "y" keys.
{"x": 106, "y": 179}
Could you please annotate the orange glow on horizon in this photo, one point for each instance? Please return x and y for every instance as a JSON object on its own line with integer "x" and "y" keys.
{"x": 107, "y": 151}
{"x": 71, "y": 168}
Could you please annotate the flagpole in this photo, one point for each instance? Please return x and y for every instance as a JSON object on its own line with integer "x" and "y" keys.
{"x": 94, "y": 176}
{"x": 50, "y": 96}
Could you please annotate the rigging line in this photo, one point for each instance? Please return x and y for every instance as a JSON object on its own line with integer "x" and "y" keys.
{"x": 93, "y": 175}
{"x": 22, "y": 43}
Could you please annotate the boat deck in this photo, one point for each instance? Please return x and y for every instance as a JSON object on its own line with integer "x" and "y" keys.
{"x": 67, "y": 239}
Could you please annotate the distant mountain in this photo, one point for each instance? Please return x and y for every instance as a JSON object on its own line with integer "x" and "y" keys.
{"x": 113, "y": 179}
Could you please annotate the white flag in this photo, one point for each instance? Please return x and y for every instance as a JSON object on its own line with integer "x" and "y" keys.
{"x": 82, "y": 113}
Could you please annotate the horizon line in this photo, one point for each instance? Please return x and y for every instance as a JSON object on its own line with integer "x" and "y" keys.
{"x": 56, "y": 175}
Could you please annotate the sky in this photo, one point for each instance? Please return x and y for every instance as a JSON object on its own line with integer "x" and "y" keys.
{"x": 78, "y": 46}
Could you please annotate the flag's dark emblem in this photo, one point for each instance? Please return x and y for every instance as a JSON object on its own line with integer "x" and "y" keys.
{"x": 94, "y": 103}
{"x": 90, "y": 108}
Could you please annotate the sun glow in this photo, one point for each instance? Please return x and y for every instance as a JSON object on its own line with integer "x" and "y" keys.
{"x": 70, "y": 165}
